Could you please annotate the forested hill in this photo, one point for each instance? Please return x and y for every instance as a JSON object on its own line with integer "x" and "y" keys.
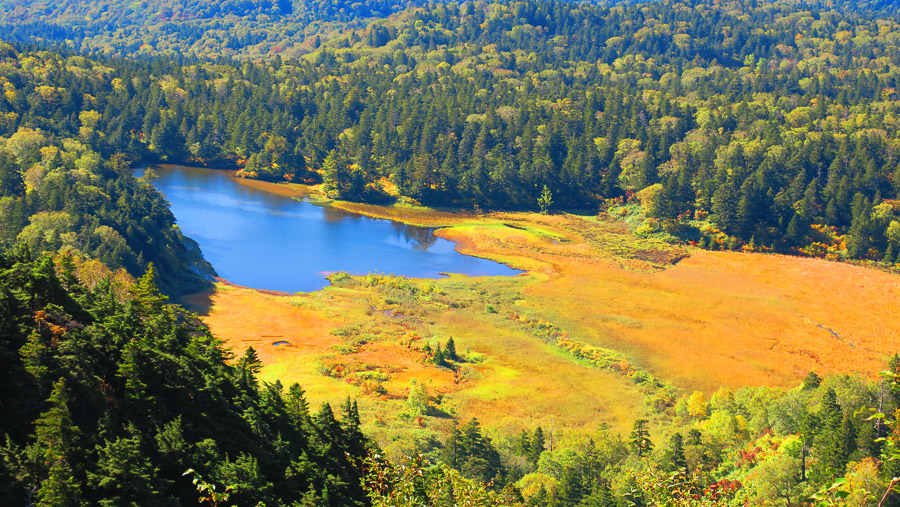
{"x": 252, "y": 29}
{"x": 768, "y": 125}
{"x": 245, "y": 28}
{"x": 110, "y": 395}
{"x": 62, "y": 189}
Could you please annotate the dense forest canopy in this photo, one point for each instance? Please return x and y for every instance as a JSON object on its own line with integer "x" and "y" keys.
{"x": 767, "y": 124}
{"x": 243, "y": 28}
{"x": 111, "y": 394}
{"x": 762, "y": 125}
{"x": 57, "y": 192}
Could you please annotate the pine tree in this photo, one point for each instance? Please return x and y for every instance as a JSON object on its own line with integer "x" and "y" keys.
{"x": 523, "y": 444}
{"x": 796, "y": 231}
{"x": 571, "y": 487}
{"x": 60, "y": 488}
{"x": 450, "y": 350}
{"x": 335, "y": 177}
{"x": 327, "y": 424}
{"x": 537, "y": 446}
{"x": 11, "y": 182}
{"x": 835, "y": 440}
{"x": 146, "y": 292}
{"x": 453, "y": 451}
{"x": 675, "y": 455}
{"x": 297, "y": 405}
{"x": 56, "y": 435}
{"x": 812, "y": 381}
{"x": 640, "y": 438}
{"x": 123, "y": 474}
{"x": 725, "y": 202}
{"x": 438, "y": 357}
{"x": 249, "y": 366}
{"x": 354, "y": 440}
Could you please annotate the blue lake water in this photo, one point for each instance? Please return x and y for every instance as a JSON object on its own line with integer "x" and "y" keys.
{"x": 267, "y": 241}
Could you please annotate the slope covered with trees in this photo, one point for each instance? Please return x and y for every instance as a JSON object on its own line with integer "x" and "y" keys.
{"x": 242, "y": 28}
{"x": 767, "y": 125}
{"x": 60, "y": 189}
{"x": 111, "y": 394}
{"x": 745, "y": 122}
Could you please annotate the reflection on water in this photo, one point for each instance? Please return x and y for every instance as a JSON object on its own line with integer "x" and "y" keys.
{"x": 267, "y": 241}
{"x": 421, "y": 238}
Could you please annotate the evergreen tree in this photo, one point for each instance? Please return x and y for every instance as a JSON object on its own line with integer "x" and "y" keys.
{"x": 724, "y": 209}
{"x": 11, "y": 182}
{"x": 812, "y": 381}
{"x": 124, "y": 475}
{"x": 640, "y": 438}
{"x": 536, "y": 447}
{"x": 675, "y": 455}
{"x": 450, "y": 350}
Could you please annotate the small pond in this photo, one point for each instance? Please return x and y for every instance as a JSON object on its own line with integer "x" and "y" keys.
{"x": 263, "y": 240}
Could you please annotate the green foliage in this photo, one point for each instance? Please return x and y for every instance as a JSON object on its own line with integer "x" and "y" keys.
{"x": 545, "y": 200}
{"x": 472, "y": 453}
{"x": 812, "y": 381}
{"x": 412, "y": 481}
{"x": 207, "y": 491}
{"x": 123, "y": 476}
{"x": 76, "y": 202}
{"x": 640, "y": 438}
{"x": 743, "y": 122}
{"x": 418, "y": 401}
{"x": 112, "y": 397}
{"x": 450, "y": 350}
{"x": 785, "y": 141}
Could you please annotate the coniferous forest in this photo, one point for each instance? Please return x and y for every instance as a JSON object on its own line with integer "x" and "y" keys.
{"x": 753, "y": 125}
{"x": 770, "y": 124}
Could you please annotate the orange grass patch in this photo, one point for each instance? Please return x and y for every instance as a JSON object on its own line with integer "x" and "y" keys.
{"x": 698, "y": 319}
{"x": 244, "y": 317}
{"x": 404, "y": 365}
{"x": 716, "y": 318}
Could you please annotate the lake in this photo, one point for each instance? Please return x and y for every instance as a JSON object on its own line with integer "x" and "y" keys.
{"x": 263, "y": 240}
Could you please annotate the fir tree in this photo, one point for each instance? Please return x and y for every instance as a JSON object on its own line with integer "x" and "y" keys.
{"x": 640, "y": 438}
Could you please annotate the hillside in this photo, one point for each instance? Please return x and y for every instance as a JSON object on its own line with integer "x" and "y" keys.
{"x": 110, "y": 395}
{"x": 735, "y": 123}
{"x": 240, "y": 28}
{"x": 703, "y": 195}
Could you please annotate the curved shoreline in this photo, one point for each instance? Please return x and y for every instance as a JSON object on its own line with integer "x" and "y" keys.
{"x": 434, "y": 221}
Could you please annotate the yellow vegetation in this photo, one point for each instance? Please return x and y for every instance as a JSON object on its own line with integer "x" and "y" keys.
{"x": 561, "y": 345}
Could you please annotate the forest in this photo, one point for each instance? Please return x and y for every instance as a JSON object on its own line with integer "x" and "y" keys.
{"x": 760, "y": 126}
{"x": 741, "y": 125}
{"x": 111, "y": 394}
{"x": 116, "y": 397}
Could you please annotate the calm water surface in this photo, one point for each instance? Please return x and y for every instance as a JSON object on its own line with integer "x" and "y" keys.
{"x": 266, "y": 241}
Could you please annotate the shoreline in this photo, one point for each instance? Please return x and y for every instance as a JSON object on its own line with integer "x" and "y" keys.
{"x": 590, "y": 286}
{"x": 440, "y": 221}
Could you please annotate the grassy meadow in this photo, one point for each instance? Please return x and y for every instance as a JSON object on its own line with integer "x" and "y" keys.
{"x": 604, "y": 327}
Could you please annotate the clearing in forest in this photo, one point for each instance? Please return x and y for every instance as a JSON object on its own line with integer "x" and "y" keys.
{"x": 603, "y": 328}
